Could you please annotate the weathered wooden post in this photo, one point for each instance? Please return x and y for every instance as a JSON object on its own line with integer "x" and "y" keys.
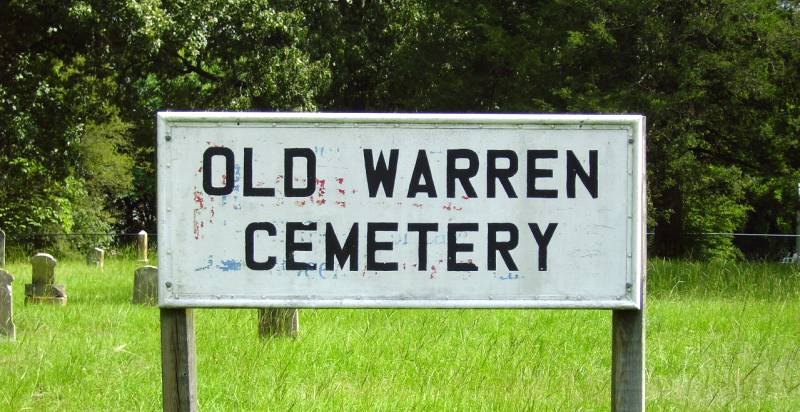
{"x": 7, "y": 328}
{"x": 2, "y": 249}
{"x": 145, "y": 285}
{"x": 273, "y": 322}
{"x": 178, "y": 360}
{"x": 142, "y": 245}
{"x": 43, "y": 287}
{"x": 627, "y": 360}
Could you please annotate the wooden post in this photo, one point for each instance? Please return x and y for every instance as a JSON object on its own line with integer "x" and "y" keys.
{"x": 274, "y": 322}
{"x": 797, "y": 232}
{"x": 627, "y": 360}
{"x": 178, "y": 360}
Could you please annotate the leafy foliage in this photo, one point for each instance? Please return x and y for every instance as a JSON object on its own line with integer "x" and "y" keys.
{"x": 80, "y": 82}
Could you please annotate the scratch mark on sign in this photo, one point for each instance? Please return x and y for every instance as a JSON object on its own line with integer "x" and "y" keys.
{"x": 340, "y": 204}
{"x": 208, "y": 265}
{"x": 418, "y": 205}
{"x": 300, "y": 203}
{"x": 341, "y": 191}
{"x": 196, "y": 226}
{"x": 320, "y": 201}
{"x": 433, "y": 271}
{"x": 340, "y": 180}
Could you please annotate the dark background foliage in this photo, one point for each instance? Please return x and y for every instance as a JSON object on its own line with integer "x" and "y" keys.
{"x": 719, "y": 82}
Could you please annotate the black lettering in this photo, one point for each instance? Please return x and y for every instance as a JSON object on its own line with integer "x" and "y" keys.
{"x": 343, "y": 253}
{"x": 292, "y": 246}
{"x": 534, "y": 173}
{"x": 574, "y": 168}
{"x": 373, "y": 246}
{"x": 249, "y": 190}
{"x": 462, "y": 175}
{"x": 502, "y": 175}
{"x": 380, "y": 175}
{"x": 249, "y": 246}
{"x": 208, "y": 186}
{"x": 288, "y": 172}
{"x": 542, "y": 241}
{"x": 503, "y": 248}
{"x": 423, "y": 229}
{"x": 422, "y": 169}
{"x": 453, "y": 247}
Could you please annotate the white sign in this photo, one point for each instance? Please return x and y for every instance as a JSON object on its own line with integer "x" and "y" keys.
{"x": 390, "y": 210}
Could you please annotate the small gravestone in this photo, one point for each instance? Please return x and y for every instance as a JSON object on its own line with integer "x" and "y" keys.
{"x": 43, "y": 287}
{"x": 2, "y": 249}
{"x": 274, "y": 322}
{"x": 145, "y": 285}
{"x": 97, "y": 257}
{"x": 142, "y": 244}
{"x": 7, "y": 328}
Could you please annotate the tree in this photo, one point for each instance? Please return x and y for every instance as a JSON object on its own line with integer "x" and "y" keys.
{"x": 717, "y": 82}
{"x": 80, "y": 83}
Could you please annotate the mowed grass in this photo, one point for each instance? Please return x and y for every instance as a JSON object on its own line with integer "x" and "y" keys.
{"x": 719, "y": 337}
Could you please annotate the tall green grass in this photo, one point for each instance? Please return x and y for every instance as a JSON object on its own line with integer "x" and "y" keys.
{"x": 720, "y": 337}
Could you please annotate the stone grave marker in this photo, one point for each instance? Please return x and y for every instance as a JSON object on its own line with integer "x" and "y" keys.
{"x": 97, "y": 257}
{"x": 2, "y": 249}
{"x": 7, "y": 328}
{"x": 142, "y": 243}
{"x": 145, "y": 285}
{"x": 43, "y": 287}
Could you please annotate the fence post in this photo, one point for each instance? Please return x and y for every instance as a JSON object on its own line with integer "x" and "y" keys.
{"x": 797, "y": 232}
{"x": 178, "y": 360}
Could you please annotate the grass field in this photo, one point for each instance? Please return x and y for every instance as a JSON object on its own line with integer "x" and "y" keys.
{"x": 719, "y": 337}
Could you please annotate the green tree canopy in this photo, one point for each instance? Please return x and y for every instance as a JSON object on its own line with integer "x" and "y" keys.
{"x": 81, "y": 81}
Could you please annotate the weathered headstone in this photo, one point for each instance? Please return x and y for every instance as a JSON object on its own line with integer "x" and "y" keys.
{"x": 43, "y": 287}
{"x": 2, "y": 249}
{"x": 273, "y": 322}
{"x": 7, "y": 328}
{"x": 142, "y": 243}
{"x": 96, "y": 257}
{"x": 145, "y": 285}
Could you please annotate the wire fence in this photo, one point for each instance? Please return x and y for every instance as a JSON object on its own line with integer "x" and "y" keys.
{"x": 73, "y": 244}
